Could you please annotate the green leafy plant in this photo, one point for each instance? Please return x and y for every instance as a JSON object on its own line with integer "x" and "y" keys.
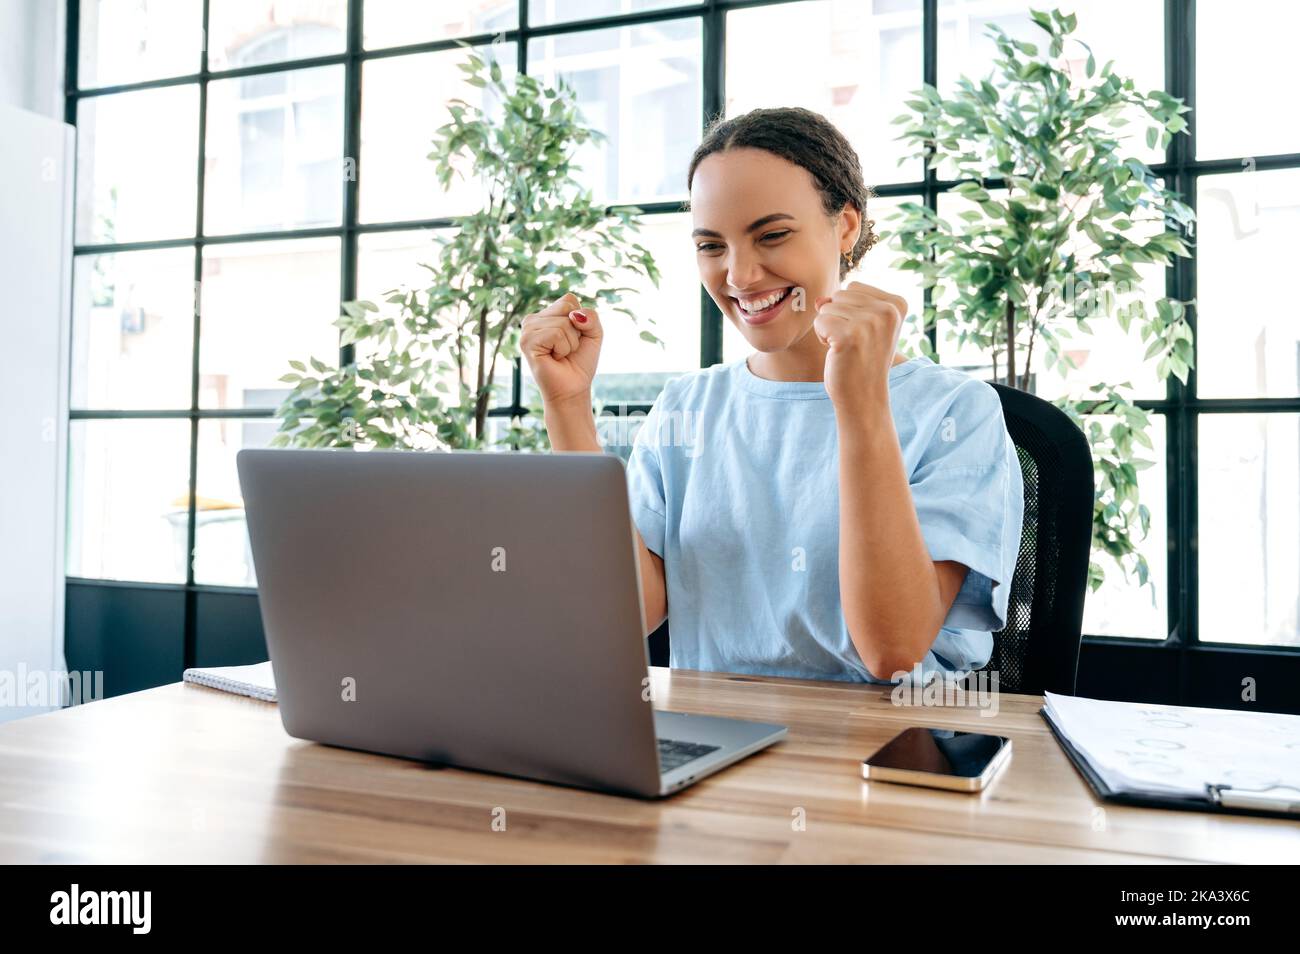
{"x": 424, "y": 370}
{"x": 1052, "y": 246}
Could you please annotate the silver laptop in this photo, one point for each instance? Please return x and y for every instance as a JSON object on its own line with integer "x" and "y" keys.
{"x": 475, "y": 609}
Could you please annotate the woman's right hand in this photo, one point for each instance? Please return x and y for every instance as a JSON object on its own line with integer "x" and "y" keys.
{"x": 562, "y": 346}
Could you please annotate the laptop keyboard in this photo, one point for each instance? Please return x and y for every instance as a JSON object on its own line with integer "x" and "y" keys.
{"x": 674, "y": 754}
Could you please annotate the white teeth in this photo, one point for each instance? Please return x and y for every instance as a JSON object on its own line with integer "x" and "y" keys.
{"x": 763, "y": 303}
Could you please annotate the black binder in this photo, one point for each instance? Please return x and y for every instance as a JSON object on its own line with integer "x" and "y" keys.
{"x": 1213, "y": 800}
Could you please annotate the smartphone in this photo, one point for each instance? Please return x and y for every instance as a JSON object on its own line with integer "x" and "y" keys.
{"x": 939, "y": 758}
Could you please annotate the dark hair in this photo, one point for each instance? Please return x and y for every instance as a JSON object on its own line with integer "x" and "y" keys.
{"x": 808, "y": 140}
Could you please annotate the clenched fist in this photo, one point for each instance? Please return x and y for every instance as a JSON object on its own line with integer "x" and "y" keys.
{"x": 859, "y": 326}
{"x": 562, "y": 346}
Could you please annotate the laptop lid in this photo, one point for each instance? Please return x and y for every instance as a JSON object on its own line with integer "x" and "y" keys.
{"x": 478, "y": 609}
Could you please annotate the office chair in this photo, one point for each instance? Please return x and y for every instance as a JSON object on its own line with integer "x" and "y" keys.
{"x": 1038, "y": 649}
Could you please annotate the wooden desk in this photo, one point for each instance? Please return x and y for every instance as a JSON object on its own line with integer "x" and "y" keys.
{"x": 187, "y": 774}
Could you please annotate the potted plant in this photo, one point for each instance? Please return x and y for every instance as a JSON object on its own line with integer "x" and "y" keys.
{"x": 537, "y": 235}
{"x": 1059, "y": 218}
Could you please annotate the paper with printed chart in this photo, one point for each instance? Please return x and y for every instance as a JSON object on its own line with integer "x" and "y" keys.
{"x": 1178, "y": 750}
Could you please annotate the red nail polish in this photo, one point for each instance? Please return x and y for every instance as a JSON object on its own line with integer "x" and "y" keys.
{"x": 580, "y": 315}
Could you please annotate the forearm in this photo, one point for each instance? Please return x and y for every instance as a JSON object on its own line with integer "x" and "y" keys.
{"x": 654, "y": 597}
{"x": 889, "y": 587}
{"x": 571, "y": 426}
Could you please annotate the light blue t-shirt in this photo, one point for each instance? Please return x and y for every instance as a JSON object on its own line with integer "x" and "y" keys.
{"x": 734, "y": 481}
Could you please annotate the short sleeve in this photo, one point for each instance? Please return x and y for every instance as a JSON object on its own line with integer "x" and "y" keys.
{"x": 645, "y": 478}
{"x": 970, "y": 503}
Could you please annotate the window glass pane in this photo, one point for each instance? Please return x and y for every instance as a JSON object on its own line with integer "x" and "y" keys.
{"x": 130, "y": 41}
{"x": 399, "y": 183}
{"x": 275, "y": 151}
{"x": 1124, "y": 607}
{"x": 962, "y": 355}
{"x": 1249, "y": 529}
{"x": 398, "y": 22}
{"x": 222, "y": 555}
{"x": 133, "y": 329}
{"x": 1243, "y": 61}
{"x": 857, "y": 67}
{"x": 561, "y": 11}
{"x": 128, "y": 496}
{"x": 249, "y": 32}
{"x": 388, "y": 261}
{"x": 1103, "y": 353}
{"x": 633, "y": 370}
{"x": 876, "y": 268}
{"x": 1131, "y": 34}
{"x": 265, "y": 303}
{"x": 640, "y": 86}
{"x": 126, "y": 193}
{"x": 1249, "y": 335}
{"x": 391, "y": 260}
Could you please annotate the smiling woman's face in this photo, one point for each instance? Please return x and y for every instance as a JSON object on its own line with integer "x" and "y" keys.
{"x": 760, "y": 231}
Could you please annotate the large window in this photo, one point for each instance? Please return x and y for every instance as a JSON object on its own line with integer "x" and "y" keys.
{"x": 245, "y": 165}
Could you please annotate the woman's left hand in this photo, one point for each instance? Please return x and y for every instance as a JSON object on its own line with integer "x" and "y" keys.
{"x": 860, "y": 325}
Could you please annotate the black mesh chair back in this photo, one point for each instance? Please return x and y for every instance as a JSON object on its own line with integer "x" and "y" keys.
{"x": 1038, "y": 649}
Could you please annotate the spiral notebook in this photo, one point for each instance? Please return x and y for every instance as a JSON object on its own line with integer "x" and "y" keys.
{"x": 256, "y": 681}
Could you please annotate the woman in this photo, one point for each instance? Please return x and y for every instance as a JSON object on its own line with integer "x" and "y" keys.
{"x": 825, "y": 508}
